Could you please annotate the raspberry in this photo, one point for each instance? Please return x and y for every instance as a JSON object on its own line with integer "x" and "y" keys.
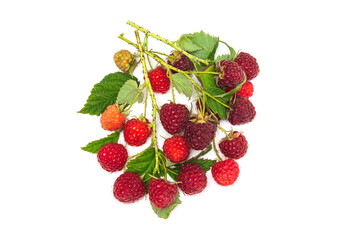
{"x": 112, "y": 119}
{"x": 249, "y": 65}
{"x": 161, "y": 193}
{"x": 176, "y": 149}
{"x": 180, "y": 61}
{"x": 128, "y": 187}
{"x": 199, "y": 132}
{"x": 235, "y": 147}
{"x": 159, "y": 80}
{"x": 136, "y": 132}
{"x": 225, "y": 172}
{"x": 198, "y": 108}
{"x": 123, "y": 60}
{"x": 112, "y": 157}
{"x": 174, "y": 117}
{"x": 247, "y": 90}
{"x": 243, "y": 111}
{"x": 230, "y": 74}
{"x": 193, "y": 178}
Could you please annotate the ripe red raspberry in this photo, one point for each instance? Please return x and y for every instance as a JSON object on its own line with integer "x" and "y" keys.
{"x": 161, "y": 193}
{"x": 176, "y": 149}
{"x": 112, "y": 119}
{"x": 225, "y": 172}
{"x": 112, "y": 157}
{"x": 249, "y": 65}
{"x": 199, "y": 132}
{"x": 128, "y": 187}
{"x": 193, "y": 178}
{"x": 136, "y": 132}
{"x": 180, "y": 61}
{"x": 247, "y": 90}
{"x": 206, "y": 112}
{"x": 174, "y": 117}
{"x": 235, "y": 147}
{"x": 243, "y": 111}
{"x": 159, "y": 80}
{"x": 230, "y": 74}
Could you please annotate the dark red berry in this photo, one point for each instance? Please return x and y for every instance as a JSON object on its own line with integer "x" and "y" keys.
{"x": 174, "y": 117}
{"x": 161, "y": 193}
{"x": 192, "y": 178}
{"x": 180, "y": 61}
{"x": 176, "y": 149}
{"x": 225, "y": 172}
{"x": 247, "y": 90}
{"x": 234, "y": 148}
{"x": 249, "y": 65}
{"x": 112, "y": 157}
{"x": 243, "y": 111}
{"x": 136, "y": 132}
{"x": 128, "y": 187}
{"x": 160, "y": 83}
{"x": 230, "y": 74}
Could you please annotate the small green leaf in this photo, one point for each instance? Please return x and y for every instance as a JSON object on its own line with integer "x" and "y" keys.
{"x": 187, "y": 44}
{"x": 128, "y": 93}
{"x": 215, "y": 106}
{"x": 222, "y": 57}
{"x": 94, "y": 147}
{"x": 105, "y": 93}
{"x": 207, "y": 79}
{"x": 206, "y": 164}
{"x": 182, "y": 84}
{"x": 165, "y": 212}
{"x": 202, "y": 153}
{"x": 144, "y": 164}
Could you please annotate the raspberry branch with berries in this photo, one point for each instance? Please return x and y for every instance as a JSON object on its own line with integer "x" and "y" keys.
{"x": 222, "y": 84}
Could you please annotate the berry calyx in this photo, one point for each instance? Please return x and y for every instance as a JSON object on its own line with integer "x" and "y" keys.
{"x": 128, "y": 187}
{"x": 160, "y": 83}
{"x": 176, "y": 149}
{"x": 230, "y": 74}
{"x": 136, "y": 132}
{"x": 235, "y": 147}
{"x": 112, "y": 119}
{"x": 174, "y": 117}
{"x": 161, "y": 193}
{"x": 249, "y": 65}
{"x": 112, "y": 157}
{"x": 225, "y": 172}
{"x": 192, "y": 178}
{"x": 180, "y": 61}
{"x": 247, "y": 90}
{"x": 123, "y": 60}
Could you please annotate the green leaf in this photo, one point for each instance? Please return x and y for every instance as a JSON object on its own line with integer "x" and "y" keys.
{"x": 222, "y": 57}
{"x": 144, "y": 164}
{"x": 105, "y": 93}
{"x": 165, "y": 212}
{"x": 202, "y": 153}
{"x": 182, "y": 84}
{"x": 128, "y": 93}
{"x": 206, "y": 79}
{"x": 94, "y": 147}
{"x": 215, "y": 106}
{"x": 206, "y": 164}
{"x": 199, "y": 44}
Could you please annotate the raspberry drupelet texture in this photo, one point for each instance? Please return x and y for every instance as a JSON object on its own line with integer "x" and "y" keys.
{"x": 180, "y": 61}
{"x": 174, "y": 117}
{"x": 199, "y": 135}
{"x": 161, "y": 193}
{"x": 247, "y": 90}
{"x": 230, "y": 74}
{"x": 136, "y": 132}
{"x": 249, "y": 65}
{"x": 176, "y": 149}
{"x": 123, "y": 60}
{"x": 112, "y": 157}
{"x": 160, "y": 83}
{"x": 112, "y": 119}
{"x": 129, "y": 187}
{"x": 234, "y": 148}
{"x": 243, "y": 111}
{"x": 225, "y": 172}
{"x": 192, "y": 178}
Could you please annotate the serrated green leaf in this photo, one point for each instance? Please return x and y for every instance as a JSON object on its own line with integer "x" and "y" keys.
{"x": 213, "y": 53}
{"x": 165, "y": 212}
{"x": 105, "y": 93}
{"x": 206, "y": 79}
{"x": 187, "y": 44}
{"x": 144, "y": 164}
{"x": 206, "y": 164}
{"x": 215, "y": 106}
{"x": 128, "y": 93}
{"x": 94, "y": 147}
{"x": 222, "y": 57}
{"x": 182, "y": 84}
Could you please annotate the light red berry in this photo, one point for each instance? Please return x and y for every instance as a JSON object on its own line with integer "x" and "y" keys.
{"x": 160, "y": 83}
{"x": 136, "y": 132}
{"x": 176, "y": 149}
{"x": 225, "y": 172}
{"x": 112, "y": 119}
{"x": 112, "y": 157}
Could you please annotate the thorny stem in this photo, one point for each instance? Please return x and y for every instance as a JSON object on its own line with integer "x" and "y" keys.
{"x": 145, "y": 47}
{"x": 153, "y": 100}
{"x": 168, "y": 42}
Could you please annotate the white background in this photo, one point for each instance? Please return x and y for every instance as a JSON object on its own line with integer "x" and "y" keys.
{"x": 53, "y": 52}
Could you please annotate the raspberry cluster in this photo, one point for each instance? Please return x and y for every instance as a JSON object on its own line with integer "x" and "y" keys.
{"x": 223, "y": 95}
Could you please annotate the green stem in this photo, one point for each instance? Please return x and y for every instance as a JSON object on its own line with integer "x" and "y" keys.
{"x": 223, "y": 130}
{"x": 153, "y": 100}
{"x": 215, "y": 149}
{"x": 168, "y": 42}
{"x": 171, "y": 83}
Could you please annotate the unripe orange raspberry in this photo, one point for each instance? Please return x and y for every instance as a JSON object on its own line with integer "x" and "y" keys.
{"x": 112, "y": 119}
{"x": 123, "y": 60}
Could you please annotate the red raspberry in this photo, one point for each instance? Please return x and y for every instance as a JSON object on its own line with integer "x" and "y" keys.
{"x": 136, "y": 132}
{"x": 235, "y": 147}
{"x": 249, "y": 65}
{"x": 225, "y": 172}
{"x": 230, "y": 74}
{"x": 199, "y": 132}
{"x": 161, "y": 193}
{"x": 174, "y": 117}
{"x": 180, "y": 61}
{"x": 128, "y": 187}
{"x": 193, "y": 178}
{"x": 243, "y": 111}
{"x": 247, "y": 90}
{"x": 159, "y": 80}
{"x": 112, "y": 157}
{"x": 112, "y": 119}
{"x": 176, "y": 149}
{"x": 198, "y": 108}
